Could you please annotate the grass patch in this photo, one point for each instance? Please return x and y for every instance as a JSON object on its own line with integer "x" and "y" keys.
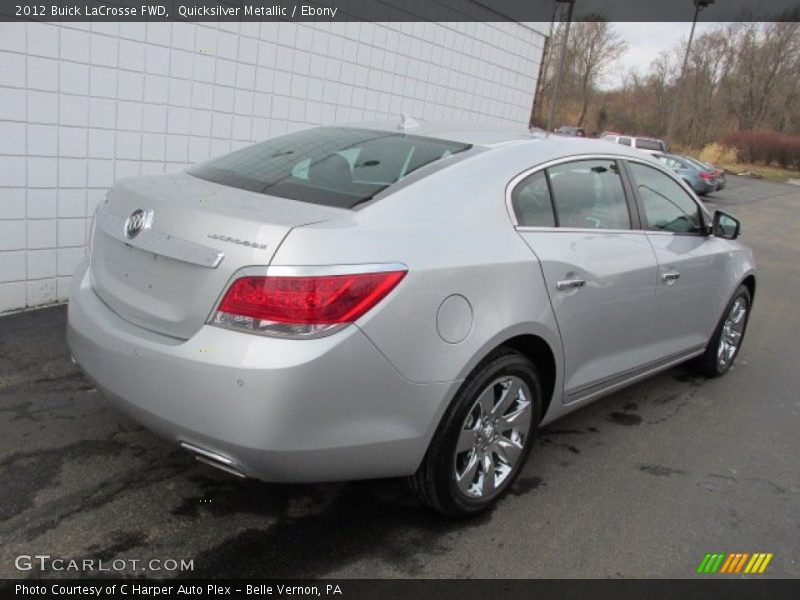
{"x": 770, "y": 173}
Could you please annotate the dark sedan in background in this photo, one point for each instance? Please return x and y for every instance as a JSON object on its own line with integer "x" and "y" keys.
{"x": 573, "y": 131}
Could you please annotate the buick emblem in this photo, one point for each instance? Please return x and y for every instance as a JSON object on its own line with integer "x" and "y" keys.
{"x": 138, "y": 221}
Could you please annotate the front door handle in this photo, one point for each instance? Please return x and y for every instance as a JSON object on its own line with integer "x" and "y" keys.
{"x": 568, "y": 284}
{"x": 670, "y": 276}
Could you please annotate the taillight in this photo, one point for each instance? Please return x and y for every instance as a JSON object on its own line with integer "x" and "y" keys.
{"x": 302, "y": 306}
{"x": 706, "y": 175}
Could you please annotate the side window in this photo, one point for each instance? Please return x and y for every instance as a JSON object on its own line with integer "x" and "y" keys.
{"x": 625, "y": 141}
{"x": 531, "y": 202}
{"x": 667, "y": 206}
{"x": 588, "y": 194}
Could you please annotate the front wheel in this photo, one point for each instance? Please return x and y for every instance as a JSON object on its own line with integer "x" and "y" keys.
{"x": 728, "y": 336}
{"x": 484, "y": 437}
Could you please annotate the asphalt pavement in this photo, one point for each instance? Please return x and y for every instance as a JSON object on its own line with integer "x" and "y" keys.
{"x": 642, "y": 483}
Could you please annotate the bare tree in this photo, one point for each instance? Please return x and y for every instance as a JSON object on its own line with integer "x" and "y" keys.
{"x": 709, "y": 63}
{"x": 740, "y": 76}
{"x": 594, "y": 46}
{"x": 765, "y": 57}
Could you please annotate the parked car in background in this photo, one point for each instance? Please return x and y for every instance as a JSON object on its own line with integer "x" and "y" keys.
{"x": 573, "y": 131}
{"x": 720, "y": 173}
{"x": 617, "y": 138}
{"x": 701, "y": 179}
{"x": 363, "y": 302}
{"x": 646, "y": 144}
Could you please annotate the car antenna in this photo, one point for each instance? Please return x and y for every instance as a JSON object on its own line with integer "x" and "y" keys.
{"x": 407, "y": 122}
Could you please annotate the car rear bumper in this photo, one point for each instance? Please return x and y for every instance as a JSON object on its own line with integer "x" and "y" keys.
{"x": 701, "y": 186}
{"x": 280, "y": 410}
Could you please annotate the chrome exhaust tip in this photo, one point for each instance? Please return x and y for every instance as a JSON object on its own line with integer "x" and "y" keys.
{"x": 223, "y": 463}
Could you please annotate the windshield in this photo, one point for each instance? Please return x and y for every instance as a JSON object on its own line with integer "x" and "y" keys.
{"x": 332, "y": 166}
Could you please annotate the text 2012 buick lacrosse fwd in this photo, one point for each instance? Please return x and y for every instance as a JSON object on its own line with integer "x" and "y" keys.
{"x": 374, "y": 301}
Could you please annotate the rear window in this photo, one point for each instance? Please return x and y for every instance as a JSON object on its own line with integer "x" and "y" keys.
{"x": 697, "y": 163}
{"x": 649, "y": 145}
{"x": 331, "y": 166}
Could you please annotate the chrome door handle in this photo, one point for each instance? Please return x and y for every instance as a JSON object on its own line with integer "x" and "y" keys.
{"x": 671, "y": 276}
{"x": 569, "y": 284}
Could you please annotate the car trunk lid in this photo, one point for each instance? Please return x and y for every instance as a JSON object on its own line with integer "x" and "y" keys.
{"x": 193, "y": 236}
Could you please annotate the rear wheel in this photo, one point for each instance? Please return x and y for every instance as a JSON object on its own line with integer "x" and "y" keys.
{"x": 724, "y": 346}
{"x": 484, "y": 437}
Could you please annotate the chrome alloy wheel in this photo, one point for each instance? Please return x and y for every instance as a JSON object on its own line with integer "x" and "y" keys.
{"x": 493, "y": 436}
{"x": 732, "y": 332}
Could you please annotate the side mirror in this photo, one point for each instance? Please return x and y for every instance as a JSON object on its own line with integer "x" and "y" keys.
{"x": 725, "y": 226}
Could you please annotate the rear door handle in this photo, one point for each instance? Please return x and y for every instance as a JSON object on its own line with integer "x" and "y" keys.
{"x": 568, "y": 284}
{"x": 671, "y": 276}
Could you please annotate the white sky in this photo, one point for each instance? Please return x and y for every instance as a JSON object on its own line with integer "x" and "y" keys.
{"x": 645, "y": 42}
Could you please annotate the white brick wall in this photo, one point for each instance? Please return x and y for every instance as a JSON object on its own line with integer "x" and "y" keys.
{"x": 84, "y": 104}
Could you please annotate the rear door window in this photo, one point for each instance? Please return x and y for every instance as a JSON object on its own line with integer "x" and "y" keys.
{"x": 589, "y": 194}
{"x": 625, "y": 141}
{"x": 332, "y": 166}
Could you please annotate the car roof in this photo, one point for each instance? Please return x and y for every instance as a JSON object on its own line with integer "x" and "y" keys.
{"x": 478, "y": 135}
{"x": 546, "y": 147}
{"x": 508, "y": 151}
{"x": 494, "y": 136}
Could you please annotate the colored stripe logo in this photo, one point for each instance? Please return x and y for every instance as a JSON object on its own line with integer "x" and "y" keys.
{"x": 735, "y": 562}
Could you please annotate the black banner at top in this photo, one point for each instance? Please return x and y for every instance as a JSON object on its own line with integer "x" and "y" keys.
{"x": 397, "y": 10}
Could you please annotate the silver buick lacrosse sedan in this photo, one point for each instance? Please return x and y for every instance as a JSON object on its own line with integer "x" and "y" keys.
{"x": 380, "y": 300}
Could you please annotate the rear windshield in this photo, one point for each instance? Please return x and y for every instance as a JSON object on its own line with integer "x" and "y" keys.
{"x": 697, "y": 163}
{"x": 332, "y": 166}
{"x": 649, "y": 145}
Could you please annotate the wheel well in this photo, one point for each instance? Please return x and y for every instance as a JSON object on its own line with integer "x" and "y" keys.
{"x": 540, "y": 354}
{"x": 750, "y": 283}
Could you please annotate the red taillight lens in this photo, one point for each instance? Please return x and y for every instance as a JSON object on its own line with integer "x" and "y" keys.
{"x": 302, "y": 306}
{"x": 707, "y": 175}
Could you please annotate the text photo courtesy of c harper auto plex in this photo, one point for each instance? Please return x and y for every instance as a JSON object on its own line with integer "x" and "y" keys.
{"x": 383, "y": 298}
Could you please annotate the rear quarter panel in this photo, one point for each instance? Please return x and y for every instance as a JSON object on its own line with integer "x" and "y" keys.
{"x": 453, "y": 232}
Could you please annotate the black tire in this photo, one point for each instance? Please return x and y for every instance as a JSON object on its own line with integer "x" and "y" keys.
{"x": 434, "y": 483}
{"x": 708, "y": 363}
